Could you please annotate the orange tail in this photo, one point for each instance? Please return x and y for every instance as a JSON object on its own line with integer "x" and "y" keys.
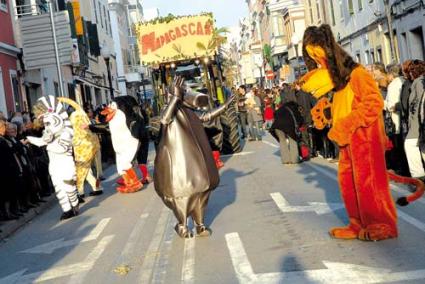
{"x": 420, "y": 188}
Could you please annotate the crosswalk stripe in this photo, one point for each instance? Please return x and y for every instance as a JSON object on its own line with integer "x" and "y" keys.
{"x": 91, "y": 259}
{"x": 161, "y": 264}
{"x": 152, "y": 252}
{"x": 188, "y": 269}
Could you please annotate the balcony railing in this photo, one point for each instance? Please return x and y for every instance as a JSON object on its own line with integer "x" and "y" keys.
{"x": 35, "y": 8}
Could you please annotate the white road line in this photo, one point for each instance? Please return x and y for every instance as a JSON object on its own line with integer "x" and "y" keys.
{"x": 320, "y": 208}
{"x": 335, "y": 272}
{"x": 91, "y": 259}
{"x": 406, "y": 217}
{"x": 161, "y": 264}
{"x": 81, "y": 268}
{"x": 241, "y": 264}
{"x": 50, "y": 247}
{"x": 237, "y": 154}
{"x": 135, "y": 235}
{"x": 152, "y": 252}
{"x": 188, "y": 269}
{"x": 270, "y": 144}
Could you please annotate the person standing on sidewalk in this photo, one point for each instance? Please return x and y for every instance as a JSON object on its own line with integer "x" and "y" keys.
{"x": 253, "y": 104}
{"x": 241, "y": 110}
{"x": 411, "y": 144}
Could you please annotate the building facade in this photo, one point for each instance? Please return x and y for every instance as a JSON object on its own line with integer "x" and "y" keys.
{"x": 10, "y": 97}
{"x": 409, "y": 26}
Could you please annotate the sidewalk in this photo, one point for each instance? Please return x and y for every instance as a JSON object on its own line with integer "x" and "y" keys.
{"x": 9, "y": 227}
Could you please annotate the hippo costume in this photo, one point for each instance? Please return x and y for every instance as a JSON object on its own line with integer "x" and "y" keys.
{"x": 185, "y": 171}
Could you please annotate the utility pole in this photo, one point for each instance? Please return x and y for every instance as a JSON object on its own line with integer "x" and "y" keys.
{"x": 394, "y": 57}
{"x": 55, "y": 45}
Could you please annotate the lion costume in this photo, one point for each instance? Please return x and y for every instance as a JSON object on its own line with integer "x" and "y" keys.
{"x": 358, "y": 129}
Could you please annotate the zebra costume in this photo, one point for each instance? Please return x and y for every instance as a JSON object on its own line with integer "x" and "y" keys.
{"x": 57, "y": 136}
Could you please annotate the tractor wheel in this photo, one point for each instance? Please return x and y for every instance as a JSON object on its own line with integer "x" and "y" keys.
{"x": 231, "y": 140}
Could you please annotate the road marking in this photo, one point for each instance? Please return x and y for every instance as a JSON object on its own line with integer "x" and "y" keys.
{"x": 334, "y": 272}
{"x": 406, "y": 217}
{"x": 161, "y": 264}
{"x": 152, "y": 252}
{"x": 237, "y": 154}
{"x": 188, "y": 269}
{"x": 50, "y": 247}
{"x": 319, "y": 207}
{"x": 60, "y": 271}
{"x": 270, "y": 144}
{"x": 133, "y": 240}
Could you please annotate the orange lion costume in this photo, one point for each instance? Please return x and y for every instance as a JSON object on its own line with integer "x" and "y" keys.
{"x": 358, "y": 129}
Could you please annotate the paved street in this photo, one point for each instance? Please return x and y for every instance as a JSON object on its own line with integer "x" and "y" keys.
{"x": 269, "y": 225}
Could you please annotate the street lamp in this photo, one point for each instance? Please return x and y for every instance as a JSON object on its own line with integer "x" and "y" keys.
{"x": 106, "y": 54}
{"x": 295, "y": 41}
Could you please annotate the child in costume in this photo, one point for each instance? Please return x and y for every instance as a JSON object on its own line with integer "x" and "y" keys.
{"x": 57, "y": 136}
{"x": 86, "y": 144}
{"x": 358, "y": 129}
{"x": 185, "y": 171}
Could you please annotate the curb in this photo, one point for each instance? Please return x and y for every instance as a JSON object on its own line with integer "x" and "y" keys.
{"x": 9, "y": 227}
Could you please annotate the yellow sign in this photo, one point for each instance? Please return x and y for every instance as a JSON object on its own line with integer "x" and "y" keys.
{"x": 77, "y": 17}
{"x": 181, "y": 38}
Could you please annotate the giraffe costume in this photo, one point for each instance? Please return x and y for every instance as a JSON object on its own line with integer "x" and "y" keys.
{"x": 86, "y": 145}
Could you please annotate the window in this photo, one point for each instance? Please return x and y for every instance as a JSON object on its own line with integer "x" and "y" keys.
{"x": 15, "y": 89}
{"x": 318, "y": 9}
{"x": 379, "y": 54}
{"x": 95, "y": 11}
{"x": 350, "y": 7}
{"x": 106, "y": 19}
{"x": 109, "y": 22}
{"x": 341, "y": 10}
{"x": 332, "y": 12}
{"x": 100, "y": 14}
{"x": 3, "y": 5}
{"x": 3, "y": 107}
{"x": 360, "y": 2}
{"x": 56, "y": 85}
{"x": 310, "y": 10}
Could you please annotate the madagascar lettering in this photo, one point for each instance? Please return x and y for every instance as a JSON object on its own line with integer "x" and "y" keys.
{"x": 151, "y": 42}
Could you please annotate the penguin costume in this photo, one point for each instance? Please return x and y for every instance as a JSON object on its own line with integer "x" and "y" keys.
{"x": 185, "y": 171}
{"x": 126, "y": 126}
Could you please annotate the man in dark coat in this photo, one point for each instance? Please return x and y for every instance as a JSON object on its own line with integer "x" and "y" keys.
{"x": 285, "y": 129}
{"x": 185, "y": 171}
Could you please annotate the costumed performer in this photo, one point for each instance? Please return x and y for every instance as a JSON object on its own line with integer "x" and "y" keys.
{"x": 57, "y": 136}
{"x": 86, "y": 145}
{"x": 125, "y": 127}
{"x": 185, "y": 172}
{"x": 358, "y": 130}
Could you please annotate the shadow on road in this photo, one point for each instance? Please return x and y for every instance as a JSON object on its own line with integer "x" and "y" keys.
{"x": 225, "y": 194}
{"x": 328, "y": 185}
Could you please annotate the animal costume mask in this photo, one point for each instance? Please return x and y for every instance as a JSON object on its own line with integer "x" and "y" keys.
{"x": 357, "y": 127}
{"x": 57, "y": 136}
